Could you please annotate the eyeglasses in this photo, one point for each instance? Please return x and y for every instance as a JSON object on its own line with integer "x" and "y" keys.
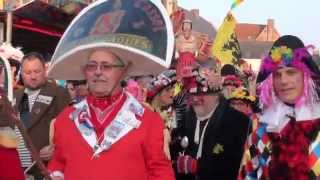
{"x": 105, "y": 67}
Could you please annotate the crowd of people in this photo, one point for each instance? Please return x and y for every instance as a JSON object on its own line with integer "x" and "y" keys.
{"x": 198, "y": 120}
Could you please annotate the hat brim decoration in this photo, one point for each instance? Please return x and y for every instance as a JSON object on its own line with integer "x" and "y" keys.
{"x": 139, "y": 32}
{"x": 198, "y": 83}
{"x": 286, "y": 57}
{"x": 242, "y": 94}
{"x": 160, "y": 82}
{"x": 232, "y": 80}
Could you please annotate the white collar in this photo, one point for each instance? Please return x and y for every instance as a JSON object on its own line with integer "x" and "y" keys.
{"x": 277, "y": 115}
{"x": 31, "y": 92}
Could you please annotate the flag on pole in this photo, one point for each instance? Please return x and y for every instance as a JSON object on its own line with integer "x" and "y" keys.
{"x": 226, "y": 47}
{"x": 2, "y": 5}
{"x": 235, "y": 4}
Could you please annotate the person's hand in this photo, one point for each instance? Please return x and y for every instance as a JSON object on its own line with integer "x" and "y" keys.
{"x": 252, "y": 84}
{"x": 57, "y": 175}
{"x": 166, "y": 142}
{"x": 186, "y": 165}
{"x": 46, "y": 152}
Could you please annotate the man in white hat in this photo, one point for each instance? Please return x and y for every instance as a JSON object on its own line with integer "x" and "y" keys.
{"x": 110, "y": 134}
{"x": 127, "y": 138}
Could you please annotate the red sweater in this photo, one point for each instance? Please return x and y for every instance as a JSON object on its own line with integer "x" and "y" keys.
{"x": 10, "y": 167}
{"x": 137, "y": 156}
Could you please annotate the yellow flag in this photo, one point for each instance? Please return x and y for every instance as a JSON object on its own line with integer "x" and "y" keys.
{"x": 177, "y": 89}
{"x": 2, "y": 5}
{"x": 226, "y": 46}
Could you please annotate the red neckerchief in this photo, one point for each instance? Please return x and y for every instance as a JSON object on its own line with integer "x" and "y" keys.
{"x": 116, "y": 101}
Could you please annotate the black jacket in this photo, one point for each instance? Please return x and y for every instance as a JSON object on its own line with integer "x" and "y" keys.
{"x": 223, "y": 142}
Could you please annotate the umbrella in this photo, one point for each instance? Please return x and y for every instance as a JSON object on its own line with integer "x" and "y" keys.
{"x": 138, "y": 31}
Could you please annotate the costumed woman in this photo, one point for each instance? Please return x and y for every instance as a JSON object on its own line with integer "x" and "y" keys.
{"x": 160, "y": 98}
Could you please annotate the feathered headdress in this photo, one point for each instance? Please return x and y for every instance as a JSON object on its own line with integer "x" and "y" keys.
{"x": 163, "y": 80}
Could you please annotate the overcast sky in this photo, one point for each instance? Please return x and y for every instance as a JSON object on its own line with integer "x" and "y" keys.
{"x": 296, "y": 17}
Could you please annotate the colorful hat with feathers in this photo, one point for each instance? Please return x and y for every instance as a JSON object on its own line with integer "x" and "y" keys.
{"x": 160, "y": 82}
{"x": 232, "y": 80}
{"x": 242, "y": 94}
{"x": 199, "y": 82}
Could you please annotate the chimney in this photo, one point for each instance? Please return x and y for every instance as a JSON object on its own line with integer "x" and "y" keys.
{"x": 195, "y": 13}
{"x": 270, "y": 28}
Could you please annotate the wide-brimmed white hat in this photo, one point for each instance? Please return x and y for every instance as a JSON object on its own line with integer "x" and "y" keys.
{"x": 138, "y": 31}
